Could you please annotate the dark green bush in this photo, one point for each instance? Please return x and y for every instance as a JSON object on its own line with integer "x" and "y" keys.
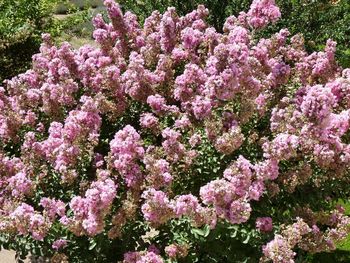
{"x": 21, "y": 24}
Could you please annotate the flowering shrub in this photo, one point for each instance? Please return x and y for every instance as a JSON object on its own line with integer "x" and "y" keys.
{"x": 317, "y": 20}
{"x": 171, "y": 141}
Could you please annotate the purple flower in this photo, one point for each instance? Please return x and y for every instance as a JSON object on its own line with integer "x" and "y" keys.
{"x": 264, "y": 224}
{"x": 59, "y": 244}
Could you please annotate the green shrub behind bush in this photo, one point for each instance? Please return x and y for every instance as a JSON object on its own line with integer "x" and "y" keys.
{"x": 21, "y": 24}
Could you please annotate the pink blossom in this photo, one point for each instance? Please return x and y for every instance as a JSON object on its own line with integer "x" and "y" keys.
{"x": 59, "y": 244}
{"x": 264, "y": 224}
{"x": 262, "y": 12}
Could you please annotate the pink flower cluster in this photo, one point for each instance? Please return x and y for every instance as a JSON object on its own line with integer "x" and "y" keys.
{"x": 159, "y": 172}
{"x": 158, "y": 209}
{"x": 53, "y": 208}
{"x": 90, "y": 211}
{"x": 312, "y": 239}
{"x": 263, "y": 12}
{"x": 59, "y": 244}
{"x": 264, "y": 224}
{"x": 69, "y": 141}
{"x": 139, "y": 257}
{"x": 126, "y": 150}
{"x": 24, "y": 220}
{"x": 242, "y": 183}
{"x": 280, "y": 248}
{"x": 20, "y": 184}
{"x": 176, "y": 251}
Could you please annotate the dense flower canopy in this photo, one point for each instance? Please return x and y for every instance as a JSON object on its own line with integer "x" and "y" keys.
{"x": 94, "y": 139}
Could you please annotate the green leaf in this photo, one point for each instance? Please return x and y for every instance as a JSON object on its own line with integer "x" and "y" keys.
{"x": 92, "y": 244}
{"x": 201, "y": 232}
{"x": 245, "y": 241}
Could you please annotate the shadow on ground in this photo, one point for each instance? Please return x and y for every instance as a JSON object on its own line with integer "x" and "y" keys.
{"x": 334, "y": 256}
